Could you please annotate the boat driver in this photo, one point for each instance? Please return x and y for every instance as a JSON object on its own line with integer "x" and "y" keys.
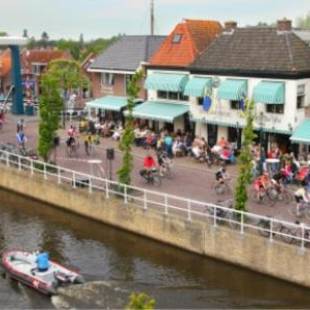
{"x": 42, "y": 261}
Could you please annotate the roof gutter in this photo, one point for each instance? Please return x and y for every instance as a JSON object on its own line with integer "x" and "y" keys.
{"x": 110, "y": 71}
{"x": 253, "y": 73}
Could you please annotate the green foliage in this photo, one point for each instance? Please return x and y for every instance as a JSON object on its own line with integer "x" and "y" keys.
{"x": 140, "y": 301}
{"x": 62, "y": 76}
{"x": 68, "y": 74}
{"x": 127, "y": 139}
{"x": 79, "y": 49}
{"x": 50, "y": 106}
{"x": 3, "y": 34}
{"x": 304, "y": 22}
{"x": 245, "y": 164}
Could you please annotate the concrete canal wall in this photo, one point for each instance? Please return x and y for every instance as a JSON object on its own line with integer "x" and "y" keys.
{"x": 252, "y": 251}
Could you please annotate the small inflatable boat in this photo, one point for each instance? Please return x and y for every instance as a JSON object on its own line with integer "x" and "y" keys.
{"x": 22, "y": 266}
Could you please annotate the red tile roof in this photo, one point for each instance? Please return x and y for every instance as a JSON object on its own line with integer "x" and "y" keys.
{"x": 197, "y": 35}
{"x": 5, "y": 63}
{"x": 28, "y": 57}
{"x": 33, "y": 56}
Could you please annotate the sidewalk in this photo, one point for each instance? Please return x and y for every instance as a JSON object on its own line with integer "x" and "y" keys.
{"x": 190, "y": 179}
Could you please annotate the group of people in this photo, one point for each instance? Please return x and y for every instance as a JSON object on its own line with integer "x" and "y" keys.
{"x": 279, "y": 170}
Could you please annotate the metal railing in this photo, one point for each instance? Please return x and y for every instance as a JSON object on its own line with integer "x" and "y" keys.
{"x": 167, "y": 204}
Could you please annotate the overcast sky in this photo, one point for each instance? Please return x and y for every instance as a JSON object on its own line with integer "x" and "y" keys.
{"x": 104, "y": 18}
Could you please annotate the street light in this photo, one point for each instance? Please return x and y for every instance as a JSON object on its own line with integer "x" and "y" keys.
{"x": 261, "y": 138}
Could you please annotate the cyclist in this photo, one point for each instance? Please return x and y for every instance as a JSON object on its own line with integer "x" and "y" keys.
{"x": 149, "y": 165}
{"x": 221, "y": 176}
{"x": 260, "y": 184}
{"x": 70, "y": 144}
{"x": 301, "y": 197}
{"x": 164, "y": 162}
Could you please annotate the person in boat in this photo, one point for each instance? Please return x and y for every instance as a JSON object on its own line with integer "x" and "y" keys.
{"x": 42, "y": 261}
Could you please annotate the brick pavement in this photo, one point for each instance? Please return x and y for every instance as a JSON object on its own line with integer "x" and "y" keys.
{"x": 190, "y": 179}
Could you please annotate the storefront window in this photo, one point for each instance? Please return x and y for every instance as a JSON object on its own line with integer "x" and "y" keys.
{"x": 162, "y": 94}
{"x": 275, "y": 108}
{"x": 171, "y": 95}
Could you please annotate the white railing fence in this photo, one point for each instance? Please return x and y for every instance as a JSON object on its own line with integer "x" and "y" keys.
{"x": 244, "y": 222}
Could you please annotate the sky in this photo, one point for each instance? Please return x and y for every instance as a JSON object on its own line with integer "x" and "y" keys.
{"x": 105, "y": 18}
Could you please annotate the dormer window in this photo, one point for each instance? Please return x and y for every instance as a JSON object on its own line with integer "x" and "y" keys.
{"x": 177, "y": 38}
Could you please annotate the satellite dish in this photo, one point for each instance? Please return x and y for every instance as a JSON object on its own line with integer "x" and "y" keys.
{"x": 216, "y": 82}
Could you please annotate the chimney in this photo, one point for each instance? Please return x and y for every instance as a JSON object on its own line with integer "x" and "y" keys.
{"x": 230, "y": 26}
{"x": 284, "y": 25}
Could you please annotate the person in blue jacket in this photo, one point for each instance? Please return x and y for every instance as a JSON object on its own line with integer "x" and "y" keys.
{"x": 42, "y": 261}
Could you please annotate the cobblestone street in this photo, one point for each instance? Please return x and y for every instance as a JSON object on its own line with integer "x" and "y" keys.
{"x": 190, "y": 179}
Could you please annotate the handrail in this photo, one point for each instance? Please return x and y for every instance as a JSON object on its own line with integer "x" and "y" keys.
{"x": 193, "y": 209}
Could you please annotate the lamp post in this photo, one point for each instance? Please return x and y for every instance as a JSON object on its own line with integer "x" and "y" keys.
{"x": 261, "y": 139}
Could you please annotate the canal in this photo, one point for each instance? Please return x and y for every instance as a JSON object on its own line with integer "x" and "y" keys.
{"x": 176, "y": 279}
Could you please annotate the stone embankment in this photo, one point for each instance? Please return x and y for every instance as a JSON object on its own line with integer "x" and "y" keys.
{"x": 248, "y": 250}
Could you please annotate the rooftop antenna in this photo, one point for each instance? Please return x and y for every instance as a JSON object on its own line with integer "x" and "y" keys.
{"x": 152, "y": 17}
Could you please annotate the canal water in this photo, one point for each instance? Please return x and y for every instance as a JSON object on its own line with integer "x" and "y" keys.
{"x": 176, "y": 279}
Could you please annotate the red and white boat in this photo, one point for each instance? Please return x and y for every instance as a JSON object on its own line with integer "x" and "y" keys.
{"x": 22, "y": 267}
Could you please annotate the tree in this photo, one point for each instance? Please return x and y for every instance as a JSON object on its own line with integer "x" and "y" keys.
{"x": 81, "y": 41}
{"x": 44, "y": 39}
{"x": 140, "y": 301}
{"x": 3, "y": 33}
{"x": 50, "y": 104}
{"x": 68, "y": 74}
{"x": 245, "y": 165}
{"x": 127, "y": 139}
{"x": 304, "y": 22}
{"x": 62, "y": 77}
{"x": 31, "y": 43}
{"x": 44, "y": 36}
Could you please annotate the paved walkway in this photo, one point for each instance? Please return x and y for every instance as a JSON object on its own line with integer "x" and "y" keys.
{"x": 190, "y": 179}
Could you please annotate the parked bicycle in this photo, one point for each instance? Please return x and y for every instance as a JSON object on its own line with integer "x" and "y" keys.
{"x": 226, "y": 215}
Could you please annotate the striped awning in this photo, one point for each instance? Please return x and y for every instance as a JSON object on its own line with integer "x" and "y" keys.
{"x": 269, "y": 92}
{"x": 160, "y": 111}
{"x": 233, "y": 89}
{"x": 111, "y": 103}
{"x": 198, "y": 86}
{"x": 166, "y": 82}
{"x": 302, "y": 133}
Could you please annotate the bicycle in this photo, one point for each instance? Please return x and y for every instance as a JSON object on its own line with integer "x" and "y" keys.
{"x": 260, "y": 196}
{"x": 225, "y": 215}
{"x": 280, "y": 192}
{"x": 301, "y": 209}
{"x": 152, "y": 177}
{"x": 280, "y": 231}
{"x": 166, "y": 168}
{"x": 72, "y": 148}
{"x": 223, "y": 187}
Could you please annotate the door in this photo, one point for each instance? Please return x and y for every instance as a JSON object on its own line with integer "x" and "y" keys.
{"x": 212, "y": 134}
{"x": 235, "y": 135}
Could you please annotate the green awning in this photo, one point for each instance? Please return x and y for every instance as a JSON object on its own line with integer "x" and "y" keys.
{"x": 302, "y": 133}
{"x": 231, "y": 89}
{"x": 166, "y": 82}
{"x": 269, "y": 92}
{"x": 111, "y": 103}
{"x": 160, "y": 111}
{"x": 197, "y": 86}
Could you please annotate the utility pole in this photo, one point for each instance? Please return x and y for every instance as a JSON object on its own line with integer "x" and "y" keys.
{"x": 152, "y": 17}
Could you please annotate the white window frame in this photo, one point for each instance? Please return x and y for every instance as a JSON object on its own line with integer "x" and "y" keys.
{"x": 107, "y": 79}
